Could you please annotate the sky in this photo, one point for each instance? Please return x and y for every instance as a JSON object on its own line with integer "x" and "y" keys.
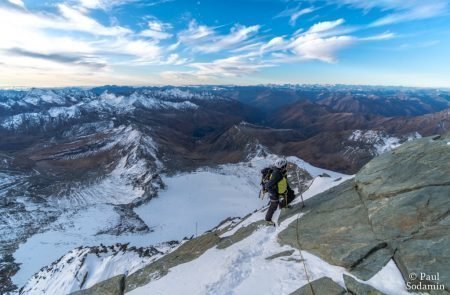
{"x": 54, "y": 43}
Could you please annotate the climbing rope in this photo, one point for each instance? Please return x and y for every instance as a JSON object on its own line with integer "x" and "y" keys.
{"x": 298, "y": 236}
{"x": 303, "y": 259}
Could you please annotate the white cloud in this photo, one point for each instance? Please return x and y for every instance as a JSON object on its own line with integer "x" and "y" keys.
{"x": 325, "y": 26}
{"x": 383, "y": 36}
{"x": 157, "y": 30}
{"x": 205, "y": 39}
{"x": 175, "y": 59}
{"x": 297, "y": 14}
{"x": 17, "y": 2}
{"x": 422, "y": 11}
{"x": 229, "y": 67}
{"x": 194, "y": 33}
{"x": 277, "y": 43}
{"x": 322, "y": 41}
{"x": 324, "y": 49}
{"x": 173, "y": 46}
{"x": 238, "y": 34}
{"x": 158, "y": 35}
{"x": 102, "y": 4}
{"x": 75, "y": 20}
{"x": 399, "y": 10}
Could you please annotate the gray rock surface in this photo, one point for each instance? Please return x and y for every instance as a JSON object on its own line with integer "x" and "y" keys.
{"x": 112, "y": 286}
{"x": 325, "y": 286}
{"x": 185, "y": 253}
{"x": 399, "y": 202}
{"x": 240, "y": 234}
{"x": 281, "y": 254}
{"x": 337, "y": 230}
{"x": 357, "y": 288}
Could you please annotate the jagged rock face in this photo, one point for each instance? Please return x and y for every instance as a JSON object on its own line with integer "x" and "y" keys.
{"x": 398, "y": 203}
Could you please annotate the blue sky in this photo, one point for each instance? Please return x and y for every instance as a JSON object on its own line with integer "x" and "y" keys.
{"x": 177, "y": 42}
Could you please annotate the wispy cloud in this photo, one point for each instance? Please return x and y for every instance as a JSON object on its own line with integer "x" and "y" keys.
{"x": 325, "y": 26}
{"x": 399, "y": 10}
{"x": 17, "y": 3}
{"x": 295, "y": 13}
{"x": 157, "y": 30}
{"x": 299, "y": 13}
{"x": 229, "y": 67}
{"x": 423, "y": 10}
{"x": 90, "y": 61}
{"x": 195, "y": 32}
{"x": 383, "y": 36}
{"x": 109, "y": 4}
{"x": 205, "y": 39}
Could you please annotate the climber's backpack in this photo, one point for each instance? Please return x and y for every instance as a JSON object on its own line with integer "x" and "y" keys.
{"x": 265, "y": 175}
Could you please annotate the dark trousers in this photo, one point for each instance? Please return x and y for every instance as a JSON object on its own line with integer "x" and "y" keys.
{"x": 282, "y": 203}
{"x": 272, "y": 208}
{"x": 288, "y": 198}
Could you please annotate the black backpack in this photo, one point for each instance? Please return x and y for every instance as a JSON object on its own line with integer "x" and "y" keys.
{"x": 265, "y": 175}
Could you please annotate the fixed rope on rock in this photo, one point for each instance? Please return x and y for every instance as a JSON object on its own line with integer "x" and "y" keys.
{"x": 298, "y": 236}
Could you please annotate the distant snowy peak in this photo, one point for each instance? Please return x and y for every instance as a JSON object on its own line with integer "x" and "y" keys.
{"x": 38, "y": 107}
{"x": 177, "y": 93}
{"x": 380, "y": 141}
{"x": 35, "y": 119}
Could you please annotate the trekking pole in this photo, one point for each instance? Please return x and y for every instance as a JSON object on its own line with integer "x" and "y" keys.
{"x": 299, "y": 188}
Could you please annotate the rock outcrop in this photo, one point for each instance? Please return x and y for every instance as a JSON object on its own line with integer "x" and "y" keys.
{"x": 323, "y": 285}
{"x": 357, "y": 288}
{"x": 185, "y": 253}
{"x": 397, "y": 206}
{"x": 112, "y": 286}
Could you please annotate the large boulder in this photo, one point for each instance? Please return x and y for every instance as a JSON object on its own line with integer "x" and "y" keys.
{"x": 357, "y": 288}
{"x": 398, "y": 203}
{"x": 112, "y": 286}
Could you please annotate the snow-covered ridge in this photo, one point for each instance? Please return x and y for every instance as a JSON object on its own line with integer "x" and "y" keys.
{"x": 83, "y": 267}
{"x": 380, "y": 141}
{"x": 138, "y": 164}
{"x": 44, "y": 106}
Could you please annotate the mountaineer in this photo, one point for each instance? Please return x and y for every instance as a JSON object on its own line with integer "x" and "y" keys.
{"x": 274, "y": 181}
